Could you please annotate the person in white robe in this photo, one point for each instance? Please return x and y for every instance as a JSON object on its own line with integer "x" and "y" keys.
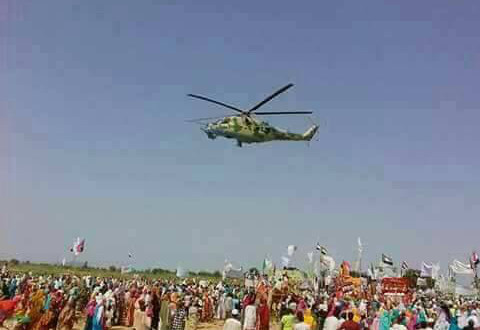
{"x": 233, "y": 323}
{"x": 250, "y": 318}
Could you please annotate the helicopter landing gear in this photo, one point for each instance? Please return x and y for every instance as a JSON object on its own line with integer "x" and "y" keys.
{"x": 239, "y": 143}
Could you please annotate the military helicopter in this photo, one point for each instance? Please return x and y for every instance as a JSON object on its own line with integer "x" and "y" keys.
{"x": 245, "y": 128}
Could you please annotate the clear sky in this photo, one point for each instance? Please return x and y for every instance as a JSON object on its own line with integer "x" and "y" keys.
{"x": 93, "y": 141}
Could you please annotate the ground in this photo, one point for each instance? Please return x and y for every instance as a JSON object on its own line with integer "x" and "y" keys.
{"x": 215, "y": 325}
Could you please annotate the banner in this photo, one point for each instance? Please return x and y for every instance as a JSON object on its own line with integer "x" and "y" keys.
{"x": 421, "y": 282}
{"x": 395, "y": 285}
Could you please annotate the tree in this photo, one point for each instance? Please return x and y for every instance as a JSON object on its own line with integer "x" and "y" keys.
{"x": 14, "y": 262}
{"x": 112, "y": 268}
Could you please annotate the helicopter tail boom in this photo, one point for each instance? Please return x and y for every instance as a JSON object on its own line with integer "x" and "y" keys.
{"x": 310, "y": 133}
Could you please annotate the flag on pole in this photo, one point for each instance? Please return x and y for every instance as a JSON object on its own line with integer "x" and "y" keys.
{"x": 360, "y": 245}
{"x": 387, "y": 260}
{"x": 285, "y": 262}
{"x": 405, "y": 266}
{"x": 267, "y": 264}
{"x": 130, "y": 255}
{"x": 322, "y": 249}
{"x": 291, "y": 250}
{"x": 474, "y": 260}
{"x": 372, "y": 272}
{"x": 78, "y": 246}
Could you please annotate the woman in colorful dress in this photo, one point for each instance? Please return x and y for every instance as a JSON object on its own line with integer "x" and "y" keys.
{"x": 67, "y": 317}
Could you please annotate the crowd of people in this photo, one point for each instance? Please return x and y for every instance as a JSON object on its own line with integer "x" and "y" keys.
{"x": 61, "y": 302}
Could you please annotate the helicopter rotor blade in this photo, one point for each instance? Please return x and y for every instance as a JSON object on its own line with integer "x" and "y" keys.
{"x": 195, "y": 120}
{"x": 280, "y": 91}
{"x": 284, "y": 113}
{"x": 216, "y": 102}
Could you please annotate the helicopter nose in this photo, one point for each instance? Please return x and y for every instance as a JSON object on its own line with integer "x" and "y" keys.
{"x": 209, "y": 133}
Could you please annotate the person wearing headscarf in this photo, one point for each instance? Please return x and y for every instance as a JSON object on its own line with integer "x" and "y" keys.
{"x": 67, "y": 317}
{"x": 207, "y": 308}
{"x": 130, "y": 299}
{"x": 288, "y": 320}
{"x": 192, "y": 321}
{"x": 250, "y": 316}
{"x": 309, "y": 319}
{"x": 443, "y": 320}
{"x": 179, "y": 319}
{"x": 164, "y": 312}
{"x": 90, "y": 312}
{"x": 385, "y": 322}
{"x": 233, "y": 322}
{"x": 35, "y": 310}
{"x": 98, "y": 320}
{"x": 141, "y": 320}
{"x": 263, "y": 315}
{"x": 154, "y": 307}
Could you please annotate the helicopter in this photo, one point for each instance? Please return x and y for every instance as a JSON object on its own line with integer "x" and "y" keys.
{"x": 246, "y": 128}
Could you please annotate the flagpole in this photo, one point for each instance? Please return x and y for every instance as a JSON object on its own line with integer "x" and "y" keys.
{"x": 475, "y": 270}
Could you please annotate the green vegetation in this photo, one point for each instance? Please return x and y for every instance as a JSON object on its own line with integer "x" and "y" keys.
{"x": 46, "y": 269}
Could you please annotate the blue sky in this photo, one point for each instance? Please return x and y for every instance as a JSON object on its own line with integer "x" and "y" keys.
{"x": 94, "y": 143}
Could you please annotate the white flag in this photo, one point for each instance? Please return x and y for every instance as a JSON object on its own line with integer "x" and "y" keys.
{"x": 329, "y": 263}
{"x": 461, "y": 268}
{"x": 291, "y": 250}
{"x": 181, "y": 272}
{"x": 310, "y": 257}
{"x": 435, "y": 271}
{"x": 360, "y": 246}
{"x": 427, "y": 270}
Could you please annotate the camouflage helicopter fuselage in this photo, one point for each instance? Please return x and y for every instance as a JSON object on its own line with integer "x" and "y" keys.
{"x": 246, "y": 129}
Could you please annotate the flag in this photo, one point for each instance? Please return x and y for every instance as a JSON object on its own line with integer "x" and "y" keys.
{"x": 329, "y": 263}
{"x": 310, "y": 257}
{"x": 78, "y": 246}
{"x": 405, "y": 265}
{"x": 360, "y": 246}
{"x": 181, "y": 272}
{"x": 130, "y": 255}
{"x": 372, "y": 272}
{"x": 322, "y": 249}
{"x": 81, "y": 246}
{"x": 458, "y": 267}
{"x": 267, "y": 264}
{"x": 427, "y": 270}
{"x": 291, "y": 250}
{"x": 435, "y": 271}
{"x": 474, "y": 261}
{"x": 387, "y": 260}
{"x": 64, "y": 262}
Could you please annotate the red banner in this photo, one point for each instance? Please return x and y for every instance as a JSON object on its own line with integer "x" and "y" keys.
{"x": 395, "y": 285}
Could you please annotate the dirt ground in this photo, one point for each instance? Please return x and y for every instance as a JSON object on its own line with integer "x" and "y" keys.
{"x": 215, "y": 325}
